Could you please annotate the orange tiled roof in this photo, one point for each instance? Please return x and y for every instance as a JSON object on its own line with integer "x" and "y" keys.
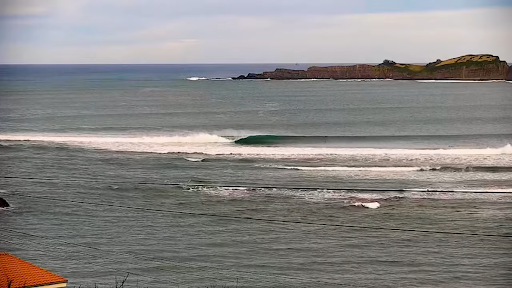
{"x": 24, "y": 274}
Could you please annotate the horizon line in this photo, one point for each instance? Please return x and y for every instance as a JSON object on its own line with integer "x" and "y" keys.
{"x": 216, "y": 63}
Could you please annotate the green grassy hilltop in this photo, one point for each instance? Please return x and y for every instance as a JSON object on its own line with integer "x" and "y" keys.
{"x": 466, "y": 61}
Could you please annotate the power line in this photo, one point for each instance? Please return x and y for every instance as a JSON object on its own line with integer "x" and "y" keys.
{"x": 267, "y": 220}
{"x": 195, "y": 275}
{"x": 188, "y": 265}
{"x": 81, "y": 252}
{"x": 245, "y": 185}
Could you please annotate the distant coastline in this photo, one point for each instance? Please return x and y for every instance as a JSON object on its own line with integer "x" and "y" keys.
{"x": 480, "y": 67}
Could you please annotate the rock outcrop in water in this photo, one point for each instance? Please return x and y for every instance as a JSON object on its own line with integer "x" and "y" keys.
{"x": 3, "y": 203}
{"x": 468, "y": 67}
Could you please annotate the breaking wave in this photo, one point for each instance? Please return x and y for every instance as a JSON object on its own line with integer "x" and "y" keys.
{"x": 355, "y": 198}
{"x": 211, "y": 144}
{"x": 204, "y": 78}
{"x": 342, "y": 140}
{"x": 196, "y": 78}
{"x": 307, "y": 80}
{"x": 459, "y": 81}
{"x": 363, "y": 80}
{"x": 375, "y": 169}
{"x": 192, "y": 159}
{"x": 488, "y": 169}
{"x": 91, "y": 139}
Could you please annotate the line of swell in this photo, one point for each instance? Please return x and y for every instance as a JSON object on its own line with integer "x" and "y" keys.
{"x": 459, "y": 81}
{"x": 486, "y": 169}
{"x": 211, "y": 144}
{"x": 285, "y": 139}
{"x": 370, "y": 193}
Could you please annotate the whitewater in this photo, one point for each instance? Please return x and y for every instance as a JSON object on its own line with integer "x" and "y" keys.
{"x": 201, "y": 143}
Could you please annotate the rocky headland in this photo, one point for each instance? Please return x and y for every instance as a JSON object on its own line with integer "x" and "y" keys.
{"x": 468, "y": 67}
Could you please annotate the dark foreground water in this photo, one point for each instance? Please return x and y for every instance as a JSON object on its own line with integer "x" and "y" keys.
{"x": 192, "y": 183}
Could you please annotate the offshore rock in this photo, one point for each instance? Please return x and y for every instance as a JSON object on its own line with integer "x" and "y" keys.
{"x": 468, "y": 67}
{"x": 3, "y": 203}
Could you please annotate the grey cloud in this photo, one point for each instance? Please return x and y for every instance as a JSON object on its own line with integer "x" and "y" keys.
{"x": 27, "y": 7}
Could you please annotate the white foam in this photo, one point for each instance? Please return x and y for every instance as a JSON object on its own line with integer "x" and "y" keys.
{"x": 363, "y": 80}
{"x": 307, "y": 80}
{"x": 231, "y": 192}
{"x": 196, "y": 78}
{"x": 458, "y": 81}
{"x": 233, "y": 149}
{"x": 194, "y": 159}
{"x": 370, "y": 205}
{"x": 204, "y": 78}
{"x": 352, "y": 198}
{"x": 330, "y": 168}
{"x": 482, "y": 190}
{"x": 91, "y": 140}
{"x": 220, "y": 79}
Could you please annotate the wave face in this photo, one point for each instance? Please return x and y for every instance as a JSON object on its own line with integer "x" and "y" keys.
{"x": 263, "y": 140}
{"x": 365, "y": 141}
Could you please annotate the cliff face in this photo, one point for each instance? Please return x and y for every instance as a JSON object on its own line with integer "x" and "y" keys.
{"x": 469, "y": 67}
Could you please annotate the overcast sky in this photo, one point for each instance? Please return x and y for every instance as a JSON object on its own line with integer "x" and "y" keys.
{"x": 255, "y": 31}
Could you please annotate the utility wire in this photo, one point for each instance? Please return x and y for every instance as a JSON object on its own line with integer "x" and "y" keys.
{"x": 188, "y": 265}
{"x": 195, "y": 275}
{"x": 267, "y": 220}
{"x": 81, "y": 252}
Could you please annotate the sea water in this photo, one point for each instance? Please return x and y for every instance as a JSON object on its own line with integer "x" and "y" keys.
{"x": 182, "y": 177}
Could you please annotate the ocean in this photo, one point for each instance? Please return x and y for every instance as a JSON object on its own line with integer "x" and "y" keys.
{"x": 179, "y": 177}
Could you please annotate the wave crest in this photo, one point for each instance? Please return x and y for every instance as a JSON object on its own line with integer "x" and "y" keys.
{"x": 212, "y": 144}
{"x": 204, "y": 78}
{"x": 352, "y": 198}
{"x": 191, "y": 138}
{"x": 331, "y": 168}
{"x": 459, "y": 81}
{"x": 489, "y": 169}
{"x": 196, "y": 78}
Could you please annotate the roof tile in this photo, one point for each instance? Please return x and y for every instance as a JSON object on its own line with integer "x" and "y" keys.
{"x": 24, "y": 274}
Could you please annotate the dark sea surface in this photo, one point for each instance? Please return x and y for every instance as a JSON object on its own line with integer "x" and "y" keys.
{"x": 116, "y": 169}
